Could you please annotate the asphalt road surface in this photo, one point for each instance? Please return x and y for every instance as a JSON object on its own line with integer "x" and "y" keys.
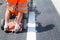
{"x": 47, "y": 20}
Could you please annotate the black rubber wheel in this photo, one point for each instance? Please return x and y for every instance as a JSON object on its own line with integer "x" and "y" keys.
{"x": 2, "y": 26}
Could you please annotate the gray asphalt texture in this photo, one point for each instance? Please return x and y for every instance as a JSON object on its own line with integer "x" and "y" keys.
{"x": 48, "y": 21}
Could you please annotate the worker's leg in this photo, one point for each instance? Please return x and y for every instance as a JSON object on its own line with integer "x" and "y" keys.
{"x": 10, "y": 8}
{"x": 18, "y": 21}
{"x": 19, "y": 17}
{"x": 7, "y": 16}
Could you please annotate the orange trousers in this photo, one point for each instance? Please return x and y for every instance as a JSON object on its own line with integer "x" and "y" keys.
{"x": 15, "y": 6}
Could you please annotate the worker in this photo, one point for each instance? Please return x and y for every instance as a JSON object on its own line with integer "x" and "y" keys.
{"x": 17, "y": 8}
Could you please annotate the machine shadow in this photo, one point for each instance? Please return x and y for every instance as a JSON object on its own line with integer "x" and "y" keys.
{"x": 48, "y": 27}
{"x": 40, "y": 28}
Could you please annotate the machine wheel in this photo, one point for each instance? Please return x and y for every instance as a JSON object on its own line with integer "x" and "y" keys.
{"x": 2, "y": 24}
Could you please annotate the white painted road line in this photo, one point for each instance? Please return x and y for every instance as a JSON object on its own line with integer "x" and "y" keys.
{"x": 31, "y": 33}
{"x": 57, "y": 5}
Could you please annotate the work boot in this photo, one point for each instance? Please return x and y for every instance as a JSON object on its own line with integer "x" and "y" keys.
{"x": 6, "y": 26}
{"x": 17, "y": 28}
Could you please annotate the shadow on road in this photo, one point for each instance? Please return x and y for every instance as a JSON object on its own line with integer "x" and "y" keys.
{"x": 40, "y": 28}
{"x": 24, "y": 31}
{"x": 48, "y": 16}
{"x": 0, "y": 3}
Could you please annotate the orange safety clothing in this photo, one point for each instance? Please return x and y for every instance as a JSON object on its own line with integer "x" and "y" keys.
{"x": 15, "y": 6}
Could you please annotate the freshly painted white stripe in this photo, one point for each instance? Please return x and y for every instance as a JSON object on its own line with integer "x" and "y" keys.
{"x": 57, "y": 5}
{"x": 34, "y": 3}
{"x": 31, "y": 34}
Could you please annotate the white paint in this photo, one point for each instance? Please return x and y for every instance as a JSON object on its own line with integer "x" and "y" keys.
{"x": 57, "y": 5}
{"x": 34, "y": 4}
{"x": 31, "y": 24}
{"x": 31, "y": 34}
